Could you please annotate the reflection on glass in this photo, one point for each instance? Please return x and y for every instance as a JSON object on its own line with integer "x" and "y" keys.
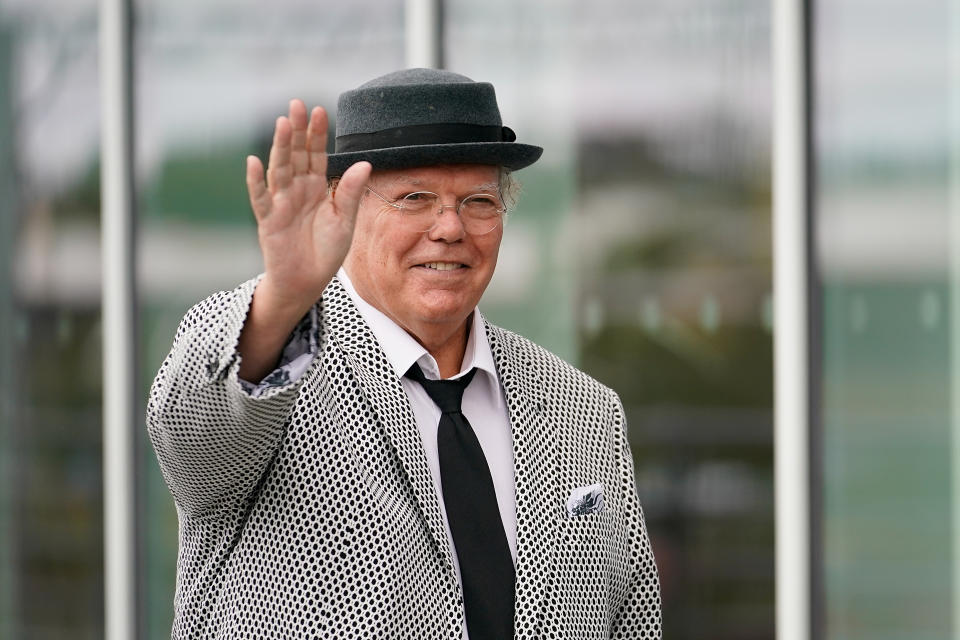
{"x": 883, "y": 220}
{"x": 644, "y": 244}
{"x": 50, "y": 389}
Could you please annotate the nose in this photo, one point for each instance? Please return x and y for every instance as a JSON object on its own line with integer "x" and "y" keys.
{"x": 447, "y": 227}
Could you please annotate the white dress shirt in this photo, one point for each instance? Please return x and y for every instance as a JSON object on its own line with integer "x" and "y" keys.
{"x": 483, "y": 404}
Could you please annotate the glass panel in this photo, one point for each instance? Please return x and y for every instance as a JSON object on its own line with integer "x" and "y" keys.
{"x": 211, "y": 78}
{"x": 883, "y": 220}
{"x": 641, "y": 252}
{"x": 51, "y": 572}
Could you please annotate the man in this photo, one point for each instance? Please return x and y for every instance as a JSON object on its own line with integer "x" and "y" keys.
{"x": 353, "y": 450}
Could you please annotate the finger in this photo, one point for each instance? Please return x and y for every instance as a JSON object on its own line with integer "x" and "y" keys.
{"x": 257, "y": 188}
{"x": 279, "y": 171}
{"x": 351, "y": 187}
{"x": 298, "y": 141}
{"x": 317, "y": 141}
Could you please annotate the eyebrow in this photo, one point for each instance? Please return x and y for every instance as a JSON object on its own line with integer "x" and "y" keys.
{"x": 416, "y": 182}
{"x": 408, "y": 180}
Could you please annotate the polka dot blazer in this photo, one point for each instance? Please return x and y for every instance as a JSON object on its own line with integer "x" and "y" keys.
{"x": 308, "y": 510}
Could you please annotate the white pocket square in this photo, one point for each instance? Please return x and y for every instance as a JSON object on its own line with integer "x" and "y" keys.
{"x": 584, "y": 500}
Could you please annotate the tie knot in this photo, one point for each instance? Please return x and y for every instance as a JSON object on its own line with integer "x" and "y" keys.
{"x": 446, "y": 394}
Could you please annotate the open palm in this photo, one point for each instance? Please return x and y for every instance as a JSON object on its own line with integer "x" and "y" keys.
{"x": 304, "y": 230}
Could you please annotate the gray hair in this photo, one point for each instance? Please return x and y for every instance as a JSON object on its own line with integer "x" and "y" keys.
{"x": 510, "y": 188}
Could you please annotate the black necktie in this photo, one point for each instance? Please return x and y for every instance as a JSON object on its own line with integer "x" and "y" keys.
{"x": 485, "y": 563}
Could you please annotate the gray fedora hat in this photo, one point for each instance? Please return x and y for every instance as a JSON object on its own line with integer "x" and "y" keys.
{"x": 424, "y": 117}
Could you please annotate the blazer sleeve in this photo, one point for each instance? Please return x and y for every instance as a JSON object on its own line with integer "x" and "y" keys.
{"x": 639, "y": 616}
{"x": 214, "y": 439}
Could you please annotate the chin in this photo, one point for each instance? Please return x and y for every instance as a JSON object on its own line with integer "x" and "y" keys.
{"x": 444, "y": 316}
{"x": 444, "y": 312}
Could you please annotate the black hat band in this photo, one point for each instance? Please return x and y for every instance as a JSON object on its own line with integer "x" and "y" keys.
{"x": 424, "y": 134}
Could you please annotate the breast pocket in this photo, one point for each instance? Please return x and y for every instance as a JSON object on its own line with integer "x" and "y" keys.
{"x": 593, "y": 561}
{"x": 594, "y": 526}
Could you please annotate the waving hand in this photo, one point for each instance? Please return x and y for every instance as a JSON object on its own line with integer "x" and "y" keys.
{"x": 304, "y": 231}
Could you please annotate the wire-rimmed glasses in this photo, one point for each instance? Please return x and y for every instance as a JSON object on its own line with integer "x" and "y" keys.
{"x": 480, "y": 213}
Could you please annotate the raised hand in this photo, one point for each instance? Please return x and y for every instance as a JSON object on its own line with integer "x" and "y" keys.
{"x": 304, "y": 232}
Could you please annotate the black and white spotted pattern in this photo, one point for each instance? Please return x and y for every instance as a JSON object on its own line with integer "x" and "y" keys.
{"x": 307, "y": 510}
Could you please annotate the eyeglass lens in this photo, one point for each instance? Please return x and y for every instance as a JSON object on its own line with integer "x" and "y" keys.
{"x": 480, "y": 213}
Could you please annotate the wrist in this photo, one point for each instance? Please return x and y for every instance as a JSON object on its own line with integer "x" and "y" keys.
{"x": 267, "y": 328}
{"x": 281, "y": 302}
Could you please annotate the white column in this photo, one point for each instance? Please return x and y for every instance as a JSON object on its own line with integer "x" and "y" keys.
{"x": 118, "y": 311}
{"x": 791, "y": 430}
{"x": 424, "y": 34}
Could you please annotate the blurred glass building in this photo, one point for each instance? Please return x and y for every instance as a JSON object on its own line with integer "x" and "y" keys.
{"x": 887, "y": 238}
{"x": 640, "y": 251}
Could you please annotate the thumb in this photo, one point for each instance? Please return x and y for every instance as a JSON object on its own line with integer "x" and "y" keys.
{"x": 350, "y": 189}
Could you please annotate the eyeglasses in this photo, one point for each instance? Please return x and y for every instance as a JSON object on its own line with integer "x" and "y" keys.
{"x": 480, "y": 213}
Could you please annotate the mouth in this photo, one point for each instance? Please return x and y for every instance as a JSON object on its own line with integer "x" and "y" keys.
{"x": 443, "y": 266}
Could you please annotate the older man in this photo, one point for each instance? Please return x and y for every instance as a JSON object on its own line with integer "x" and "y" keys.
{"x": 353, "y": 450}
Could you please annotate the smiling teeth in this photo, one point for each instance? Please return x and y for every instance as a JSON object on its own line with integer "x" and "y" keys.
{"x": 443, "y": 266}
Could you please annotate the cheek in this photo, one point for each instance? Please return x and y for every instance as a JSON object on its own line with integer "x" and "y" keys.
{"x": 371, "y": 241}
{"x": 387, "y": 258}
{"x": 491, "y": 250}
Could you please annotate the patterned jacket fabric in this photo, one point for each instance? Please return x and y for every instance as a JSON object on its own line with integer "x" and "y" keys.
{"x": 307, "y": 510}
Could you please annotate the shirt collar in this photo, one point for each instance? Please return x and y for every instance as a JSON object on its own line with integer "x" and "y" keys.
{"x": 402, "y": 350}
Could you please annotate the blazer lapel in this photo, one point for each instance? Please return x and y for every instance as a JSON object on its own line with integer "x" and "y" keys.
{"x": 538, "y": 496}
{"x": 388, "y": 401}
